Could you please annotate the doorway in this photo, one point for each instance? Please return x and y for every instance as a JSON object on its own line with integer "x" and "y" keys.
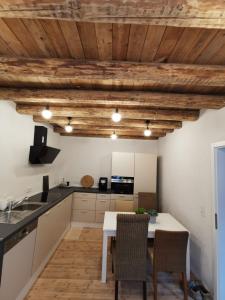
{"x": 218, "y": 152}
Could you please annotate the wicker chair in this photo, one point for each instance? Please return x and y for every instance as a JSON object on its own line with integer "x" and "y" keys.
{"x": 147, "y": 200}
{"x": 169, "y": 255}
{"x": 129, "y": 251}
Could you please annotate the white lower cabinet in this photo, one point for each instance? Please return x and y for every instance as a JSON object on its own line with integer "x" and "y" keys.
{"x": 91, "y": 207}
{"x": 51, "y": 226}
{"x": 122, "y": 203}
{"x": 84, "y": 207}
{"x": 17, "y": 267}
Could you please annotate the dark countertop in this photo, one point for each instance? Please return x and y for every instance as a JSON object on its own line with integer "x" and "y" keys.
{"x": 53, "y": 197}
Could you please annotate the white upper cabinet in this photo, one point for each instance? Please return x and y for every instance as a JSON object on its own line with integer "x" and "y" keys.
{"x": 123, "y": 164}
{"x": 145, "y": 173}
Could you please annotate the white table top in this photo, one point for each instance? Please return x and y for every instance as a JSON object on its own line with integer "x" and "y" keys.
{"x": 164, "y": 221}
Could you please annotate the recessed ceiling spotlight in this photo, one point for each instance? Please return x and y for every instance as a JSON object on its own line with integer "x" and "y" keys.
{"x": 114, "y": 135}
{"x": 147, "y": 131}
{"x": 68, "y": 127}
{"x": 116, "y": 116}
{"x": 46, "y": 113}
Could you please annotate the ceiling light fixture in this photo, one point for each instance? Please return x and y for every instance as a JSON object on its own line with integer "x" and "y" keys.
{"x": 147, "y": 131}
{"x": 46, "y": 113}
{"x": 116, "y": 116}
{"x": 68, "y": 127}
{"x": 114, "y": 135}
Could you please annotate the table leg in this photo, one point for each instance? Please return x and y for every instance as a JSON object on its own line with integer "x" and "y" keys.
{"x": 188, "y": 261}
{"x": 104, "y": 257}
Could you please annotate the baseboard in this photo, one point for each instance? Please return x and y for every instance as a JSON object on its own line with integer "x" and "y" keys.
{"x": 34, "y": 277}
{"x": 83, "y": 224}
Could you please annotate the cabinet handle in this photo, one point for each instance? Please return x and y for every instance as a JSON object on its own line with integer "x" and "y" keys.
{"x": 84, "y": 200}
{"x": 104, "y": 201}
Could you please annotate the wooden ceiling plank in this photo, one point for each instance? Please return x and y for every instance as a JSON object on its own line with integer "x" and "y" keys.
{"x": 72, "y": 38}
{"x": 88, "y": 39}
{"x": 62, "y": 121}
{"x": 179, "y": 13}
{"x": 212, "y": 49}
{"x": 88, "y": 98}
{"x": 104, "y": 40}
{"x": 66, "y": 71}
{"x": 205, "y": 38}
{"x": 168, "y": 42}
{"x": 55, "y": 34}
{"x": 136, "y": 41}
{"x": 145, "y": 114}
{"x": 152, "y": 42}
{"x": 23, "y": 35}
{"x": 40, "y": 37}
{"x": 120, "y": 41}
{"x": 11, "y": 40}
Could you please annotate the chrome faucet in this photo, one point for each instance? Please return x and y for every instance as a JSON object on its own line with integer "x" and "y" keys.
{"x": 13, "y": 204}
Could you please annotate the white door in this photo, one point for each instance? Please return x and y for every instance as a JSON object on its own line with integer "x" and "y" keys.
{"x": 123, "y": 164}
{"x": 219, "y": 175}
{"x": 145, "y": 170}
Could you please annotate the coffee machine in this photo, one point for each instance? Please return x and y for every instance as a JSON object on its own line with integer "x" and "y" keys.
{"x": 103, "y": 184}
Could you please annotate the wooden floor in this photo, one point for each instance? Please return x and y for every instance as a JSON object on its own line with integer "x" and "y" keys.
{"x": 74, "y": 271}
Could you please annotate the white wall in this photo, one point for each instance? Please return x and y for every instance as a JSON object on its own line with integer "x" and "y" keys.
{"x": 82, "y": 156}
{"x": 186, "y": 184}
{"x": 16, "y": 137}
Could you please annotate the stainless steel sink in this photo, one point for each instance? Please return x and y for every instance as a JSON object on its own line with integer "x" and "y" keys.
{"x": 19, "y": 213}
{"x": 28, "y": 206}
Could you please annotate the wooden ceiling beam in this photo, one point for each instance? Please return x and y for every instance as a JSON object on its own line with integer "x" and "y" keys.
{"x": 185, "y": 13}
{"x": 145, "y": 114}
{"x": 129, "y": 132}
{"x": 110, "y": 129}
{"x": 67, "y": 72}
{"x": 62, "y": 121}
{"x": 121, "y": 136}
{"x": 118, "y": 99}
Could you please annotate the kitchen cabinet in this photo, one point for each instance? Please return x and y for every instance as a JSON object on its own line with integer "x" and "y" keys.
{"x": 68, "y": 204}
{"x": 122, "y": 202}
{"x": 17, "y": 267}
{"x": 145, "y": 178}
{"x": 51, "y": 226}
{"x": 123, "y": 164}
{"x": 84, "y": 206}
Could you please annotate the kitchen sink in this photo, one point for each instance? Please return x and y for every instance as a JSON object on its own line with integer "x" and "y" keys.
{"x": 28, "y": 206}
{"x": 19, "y": 213}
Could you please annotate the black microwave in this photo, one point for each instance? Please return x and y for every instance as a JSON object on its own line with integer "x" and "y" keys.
{"x": 122, "y": 185}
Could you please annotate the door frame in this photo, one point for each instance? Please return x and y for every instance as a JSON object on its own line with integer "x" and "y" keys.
{"x": 214, "y": 149}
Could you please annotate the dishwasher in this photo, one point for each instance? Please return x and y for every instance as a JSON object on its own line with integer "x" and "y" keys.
{"x": 17, "y": 262}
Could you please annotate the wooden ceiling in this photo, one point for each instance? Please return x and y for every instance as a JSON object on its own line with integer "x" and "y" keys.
{"x": 126, "y": 56}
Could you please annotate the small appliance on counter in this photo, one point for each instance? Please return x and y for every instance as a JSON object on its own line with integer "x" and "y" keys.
{"x": 122, "y": 185}
{"x": 103, "y": 184}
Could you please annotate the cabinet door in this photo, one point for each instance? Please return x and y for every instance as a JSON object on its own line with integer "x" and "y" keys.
{"x": 68, "y": 202}
{"x": 43, "y": 240}
{"x": 124, "y": 205}
{"x": 16, "y": 268}
{"x": 123, "y": 164}
{"x": 145, "y": 173}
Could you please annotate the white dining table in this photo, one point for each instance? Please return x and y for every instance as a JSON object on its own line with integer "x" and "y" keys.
{"x": 164, "y": 221}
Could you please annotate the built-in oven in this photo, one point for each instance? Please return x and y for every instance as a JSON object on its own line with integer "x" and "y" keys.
{"x": 122, "y": 185}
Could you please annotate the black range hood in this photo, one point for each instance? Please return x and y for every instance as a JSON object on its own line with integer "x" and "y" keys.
{"x": 40, "y": 153}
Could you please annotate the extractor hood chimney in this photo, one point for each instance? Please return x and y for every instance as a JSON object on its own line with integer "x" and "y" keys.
{"x": 40, "y": 153}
